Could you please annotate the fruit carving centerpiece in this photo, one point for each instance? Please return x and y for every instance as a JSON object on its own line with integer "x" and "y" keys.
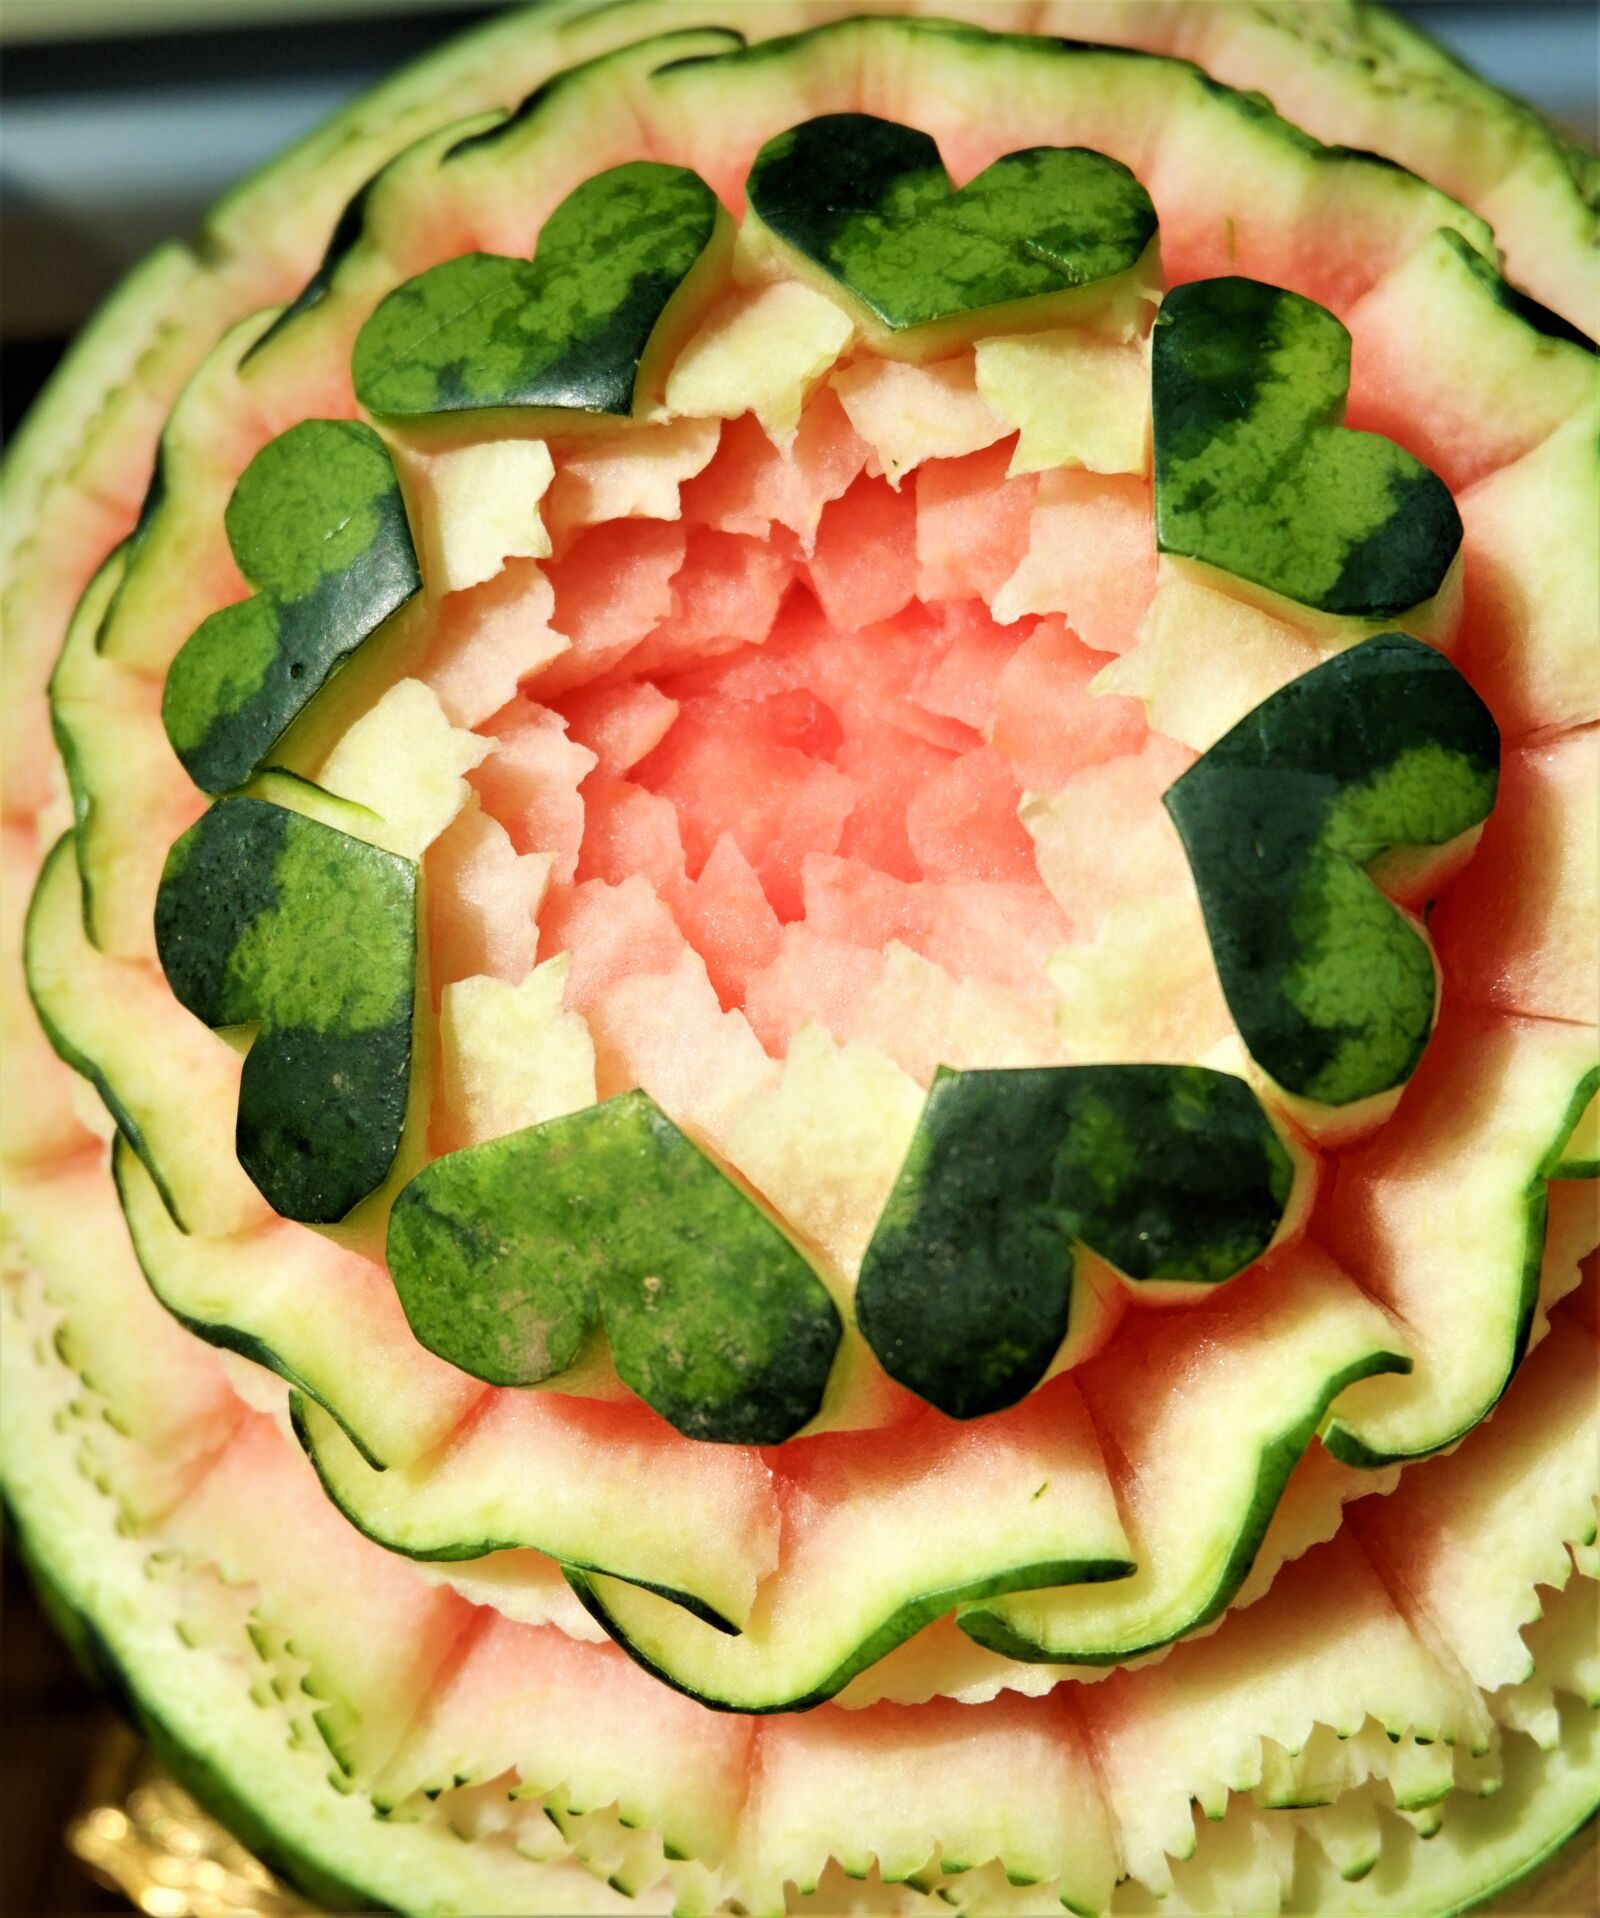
{"x": 810, "y": 913}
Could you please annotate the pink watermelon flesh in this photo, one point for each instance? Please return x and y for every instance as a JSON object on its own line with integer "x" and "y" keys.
{"x": 787, "y": 732}
{"x": 608, "y": 931}
{"x": 1516, "y": 931}
{"x": 864, "y": 566}
{"x": 618, "y": 724}
{"x": 729, "y": 920}
{"x": 613, "y": 586}
{"x": 483, "y": 897}
{"x": 629, "y": 829}
{"x": 1045, "y": 720}
{"x": 972, "y": 524}
{"x": 529, "y": 783}
{"x": 962, "y": 682}
{"x": 750, "y": 485}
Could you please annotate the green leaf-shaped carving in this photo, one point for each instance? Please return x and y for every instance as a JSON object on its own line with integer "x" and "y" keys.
{"x": 573, "y": 328}
{"x": 1255, "y": 475}
{"x": 267, "y": 918}
{"x": 868, "y": 202}
{"x": 1331, "y": 986}
{"x": 318, "y": 526}
{"x": 1169, "y": 1173}
{"x": 508, "y": 1255}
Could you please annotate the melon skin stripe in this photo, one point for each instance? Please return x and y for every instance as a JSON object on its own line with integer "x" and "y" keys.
{"x": 106, "y": 722}
{"x": 1170, "y": 1174}
{"x": 60, "y": 964}
{"x": 1384, "y": 746}
{"x": 1252, "y": 478}
{"x": 1288, "y": 1343}
{"x": 317, "y": 523}
{"x": 482, "y": 332}
{"x": 21, "y": 1358}
{"x": 1498, "y": 1114}
{"x": 110, "y": 391}
{"x": 266, "y": 916}
{"x": 396, "y": 1406}
{"x": 868, "y": 204}
{"x": 1029, "y": 1483}
{"x": 196, "y": 1708}
{"x": 887, "y": 70}
{"x": 512, "y": 1478}
{"x": 506, "y": 1255}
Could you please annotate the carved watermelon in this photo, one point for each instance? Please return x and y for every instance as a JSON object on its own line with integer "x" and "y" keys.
{"x": 824, "y": 848}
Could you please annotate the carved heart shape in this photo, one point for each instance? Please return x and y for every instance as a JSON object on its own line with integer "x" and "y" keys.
{"x": 1255, "y": 475}
{"x": 269, "y": 918}
{"x": 624, "y": 267}
{"x": 1332, "y": 987}
{"x": 869, "y": 203}
{"x": 508, "y": 1254}
{"x": 1173, "y": 1175}
{"x": 318, "y": 526}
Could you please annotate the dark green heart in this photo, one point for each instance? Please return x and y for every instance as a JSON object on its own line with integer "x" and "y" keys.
{"x": 869, "y": 202}
{"x": 569, "y": 330}
{"x": 269, "y": 918}
{"x": 318, "y": 526}
{"x": 1331, "y": 986}
{"x": 508, "y": 1254}
{"x": 1166, "y": 1172}
{"x": 1254, "y": 474}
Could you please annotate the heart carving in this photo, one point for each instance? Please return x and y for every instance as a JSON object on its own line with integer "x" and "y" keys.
{"x": 507, "y": 1256}
{"x": 623, "y": 269}
{"x": 1173, "y": 1175}
{"x": 1255, "y": 475}
{"x": 318, "y": 526}
{"x": 269, "y": 918}
{"x": 1040, "y": 235}
{"x": 1332, "y": 987}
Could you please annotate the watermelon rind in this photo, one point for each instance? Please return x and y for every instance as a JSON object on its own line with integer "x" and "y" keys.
{"x": 196, "y": 1708}
{"x": 232, "y": 1749}
{"x": 228, "y": 1738}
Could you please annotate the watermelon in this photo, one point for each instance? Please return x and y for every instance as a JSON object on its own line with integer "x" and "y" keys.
{"x": 799, "y": 917}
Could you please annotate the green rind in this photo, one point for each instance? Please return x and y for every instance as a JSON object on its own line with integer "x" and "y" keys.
{"x": 999, "y": 1633}
{"x": 1255, "y": 476}
{"x": 1486, "y": 1846}
{"x": 355, "y": 248}
{"x": 1345, "y": 1444}
{"x": 1548, "y": 325}
{"x": 901, "y": 1624}
{"x": 570, "y": 331}
{"x": 318, "y": 526}
{"x": 176, "y": 512}
{"x": 99, "y": 361}
{"x": 1170, "y": 1173}
{"x": 348, "y": 231}
{"x": 71, "y": 721}
{"x": 219, "y": 1332}
{"x": 210, "y": 1788}
{"x": 304, "y": 1415}
{"x": 1580, "y": 1150}
{"x": 1333, "y": 991}
{"x": 867, "y": 202}
{"x": 882, "y": 42}
{"x": 51, "y": 879}
{"x": 232, "y": 1752}
{"x": 882, "y": 1540}
{"x": 266, "y": 916}
{"x": 505, "y": 1254}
